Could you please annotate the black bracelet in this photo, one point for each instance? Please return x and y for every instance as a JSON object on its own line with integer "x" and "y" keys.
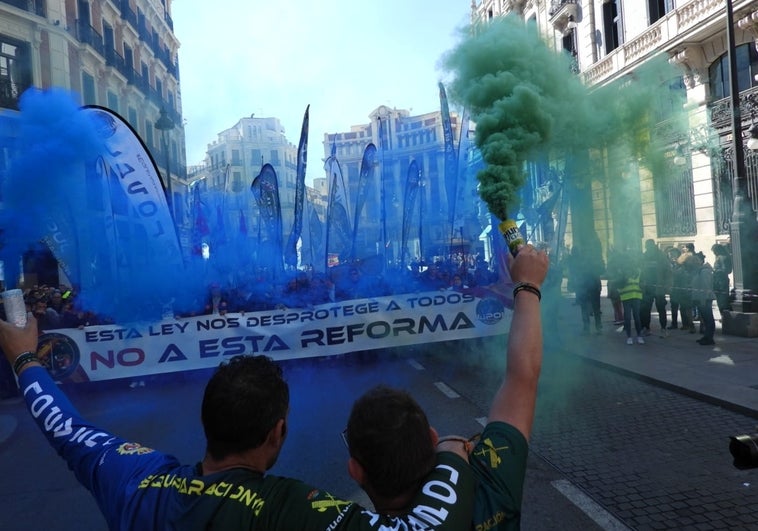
{"x": 525, "y": 286}
{"x": 23, "y": 360}
{"x": 468, "y": 444}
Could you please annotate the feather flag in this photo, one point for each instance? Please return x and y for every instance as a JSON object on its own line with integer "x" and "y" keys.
{"x": 338, "y": 233}
{"x": 365, "y": 181}
{"x": 243, "y": 225}
{"x": 290, "y": 251}
{"x": 451, "y": 161}
{"x": 462, "y": 170}
{"x": 313, "y": 242}
{"x": 200, "y": 229}
{"x": 265, "y": 189}
{"x": 409, "y": 202}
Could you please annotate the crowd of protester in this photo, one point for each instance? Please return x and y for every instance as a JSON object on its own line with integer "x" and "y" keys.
{"x": 58, "y": 306}
{"x": 307, "y": 288}
{"x": 664, "y": 274}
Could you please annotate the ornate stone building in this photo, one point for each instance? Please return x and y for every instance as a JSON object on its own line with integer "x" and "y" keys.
{"x": 692, "y": 199}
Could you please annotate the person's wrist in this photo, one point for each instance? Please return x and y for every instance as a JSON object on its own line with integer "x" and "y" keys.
{"x": 520, "y": 287}
{"x": 23, "y": 361}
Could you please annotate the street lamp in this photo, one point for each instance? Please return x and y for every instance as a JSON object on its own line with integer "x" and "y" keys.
{"x": 744, "y": 224}
{"x": 164, "y": 125}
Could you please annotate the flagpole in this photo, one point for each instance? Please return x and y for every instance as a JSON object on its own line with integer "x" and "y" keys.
{"x": 422, "y": 185}
{"x": 382, "y": 196}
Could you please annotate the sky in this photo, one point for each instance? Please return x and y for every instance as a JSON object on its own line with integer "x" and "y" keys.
{"x": 343, "y": 57}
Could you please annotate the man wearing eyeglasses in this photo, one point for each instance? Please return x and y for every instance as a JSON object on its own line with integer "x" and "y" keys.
{"x": 244, "y": 415}
{"x": 392, "y": 445}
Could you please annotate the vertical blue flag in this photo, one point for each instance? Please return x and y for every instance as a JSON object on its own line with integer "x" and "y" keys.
{"x": 290, "y": 252}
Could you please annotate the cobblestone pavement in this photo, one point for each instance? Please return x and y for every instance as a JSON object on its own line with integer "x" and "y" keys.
{"x": 654, "y": 458}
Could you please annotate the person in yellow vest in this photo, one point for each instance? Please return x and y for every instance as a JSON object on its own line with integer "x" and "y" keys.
{"x": 630, "y": 294}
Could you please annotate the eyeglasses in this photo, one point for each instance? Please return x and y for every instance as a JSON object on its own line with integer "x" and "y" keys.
{"x": 344, "y": 438}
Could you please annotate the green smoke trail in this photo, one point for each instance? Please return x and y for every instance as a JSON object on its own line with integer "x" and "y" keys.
{"x": 515, "y": 89}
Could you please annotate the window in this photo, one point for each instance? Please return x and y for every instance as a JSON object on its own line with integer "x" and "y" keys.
{"x": 128, "y": 57}
{"x": 236, "y": 157}
{"x": 113, "y": 102}
{"x": 673, "y": 101}
{"x": 88, "y": 89}
{"x": 569, "y": 46}
{"x": 132, "y": 117}
{"x": 747, "y": 68}
{"x": 110, "y": 46}
{"x": 658, "y": 8}
{"x": 15, "y": 71}
{"x": 675, "y": 202}
{"x": 274, "y": 157}
{"x": 149, "y": 133}
{"x": 611, "y": 25}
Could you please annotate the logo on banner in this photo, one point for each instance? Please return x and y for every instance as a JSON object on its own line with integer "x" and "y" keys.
{"x": 59, "y": 354}
{"x": 490, "y": 311}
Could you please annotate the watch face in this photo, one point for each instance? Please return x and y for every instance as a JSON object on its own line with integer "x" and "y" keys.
{"x": 490, "y": 311}
{"x": 59, "y": 354}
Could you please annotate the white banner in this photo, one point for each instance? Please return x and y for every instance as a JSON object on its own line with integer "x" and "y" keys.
{"x": 110, "y": 351}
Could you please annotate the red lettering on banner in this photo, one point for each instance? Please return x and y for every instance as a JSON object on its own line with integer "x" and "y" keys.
{"x": 129, "y": 357}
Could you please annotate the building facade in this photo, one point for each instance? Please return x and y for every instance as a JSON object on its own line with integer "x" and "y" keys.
{"x": 692, "y": 198}
{"x": 119, "y": 54}
{"x": 236, "y": 157}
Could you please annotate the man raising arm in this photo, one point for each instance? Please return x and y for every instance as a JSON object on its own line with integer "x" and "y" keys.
{"x": 383, "y": 420}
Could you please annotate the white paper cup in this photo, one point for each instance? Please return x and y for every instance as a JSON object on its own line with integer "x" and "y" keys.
{"x": 15, "y": 308}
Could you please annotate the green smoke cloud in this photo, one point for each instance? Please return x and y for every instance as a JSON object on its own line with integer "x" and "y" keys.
{"x": 527, "y": 103}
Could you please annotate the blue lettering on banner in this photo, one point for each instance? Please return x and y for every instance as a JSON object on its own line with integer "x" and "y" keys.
{"x": 115, "y": 334}
{"x": 337, "y": 335}
{"x": 231, "y": 346}
{"x": 438, "y": 300}
{"x": 392, "y": 306}
{"x": 172, "y": 353}
{"x": 218, "y": 323}
{"x": 166, "y": 329}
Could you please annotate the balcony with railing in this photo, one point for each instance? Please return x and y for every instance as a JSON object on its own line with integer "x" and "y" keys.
{"x": 127, "y": 13}
{"x": 653, "y": 39}
{"x": 562, "y": 13}
{"x": 36, "y": 7}
{"x": 114, "y": 59}
{"x": 86, "y": 34}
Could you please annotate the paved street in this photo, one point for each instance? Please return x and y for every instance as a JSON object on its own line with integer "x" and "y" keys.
{"x": 626, "y": 437}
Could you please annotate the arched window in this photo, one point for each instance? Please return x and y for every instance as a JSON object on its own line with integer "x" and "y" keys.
{"x": 747, "y": 68}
